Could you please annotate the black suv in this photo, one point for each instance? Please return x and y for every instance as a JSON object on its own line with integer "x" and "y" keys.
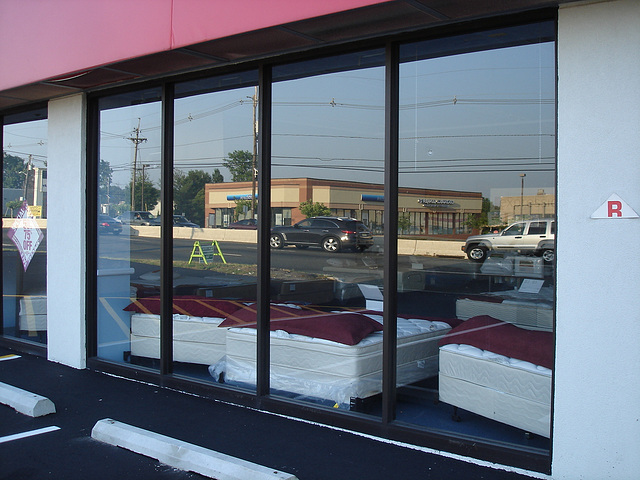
{"x": 332, "y": 234}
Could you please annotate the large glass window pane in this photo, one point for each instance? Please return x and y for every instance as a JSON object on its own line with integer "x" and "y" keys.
{"x": 477, "y": 154}
{"x": 24, "y": 226}
{"x": 214, "y": 234}
{"x": 328, "y": 161}
{"x": 128, "y": 228}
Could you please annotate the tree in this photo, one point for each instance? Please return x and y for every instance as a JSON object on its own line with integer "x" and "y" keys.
{"x": 479, "y": 220}
{"x": 403, "y": 222}
{"x": 146, "y": 188}
{"x": 240, "y": 165}
{"x": 13, "y": 171}
{"x": 314, "y": 209}
{"x": 188, "y": 192}
{"x": 105, "y": 173}
{"x": 242, "y": 206}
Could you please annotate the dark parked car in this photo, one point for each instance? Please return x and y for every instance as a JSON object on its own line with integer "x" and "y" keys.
{"x": 332, "y": 234}
{"x": 106, "y": 224}
{"x": 181, "y": 221}
{"x": 138, "y": 217}
{"x": 248, "y": 224}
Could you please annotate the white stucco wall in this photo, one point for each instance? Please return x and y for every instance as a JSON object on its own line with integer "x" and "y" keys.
{"x": 66, "y": 204}
{"x": 597, "y": 377}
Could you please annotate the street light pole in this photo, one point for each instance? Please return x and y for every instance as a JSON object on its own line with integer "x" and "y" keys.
{"x": 522, "y": 175}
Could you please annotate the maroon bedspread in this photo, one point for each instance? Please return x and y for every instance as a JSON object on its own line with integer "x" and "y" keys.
{"x": 503, "y": 338}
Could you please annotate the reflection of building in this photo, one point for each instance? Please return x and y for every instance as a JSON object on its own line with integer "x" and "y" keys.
{"x": 515, "y": 208}
{"x": 429, "y": 212}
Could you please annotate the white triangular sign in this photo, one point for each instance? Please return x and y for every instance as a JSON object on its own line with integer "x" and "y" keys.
{"x": 614, "y": 207}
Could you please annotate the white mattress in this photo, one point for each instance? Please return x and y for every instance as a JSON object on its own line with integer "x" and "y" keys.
{"x": 33, "y": 313}
{"x": 532, "y": 311}
{"x": 505, "y": 389}
{"x": 195, "y": 339}
{"x": 329, "y": 370}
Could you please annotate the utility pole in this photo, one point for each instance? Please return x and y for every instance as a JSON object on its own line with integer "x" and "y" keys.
{"x": 254, "y": 170}
{"x": 142, "y": 192}
{"x": 26, "y": 178}
{"x": 137, "y": 140}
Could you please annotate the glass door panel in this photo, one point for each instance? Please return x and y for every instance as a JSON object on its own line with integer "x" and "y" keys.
{"x": 477, "y": 139}
{"x": 24, "y": 226}
{"x": 214, "y": 231}
{"x": 326, "y": 263}
{"x": 128, "y": 228}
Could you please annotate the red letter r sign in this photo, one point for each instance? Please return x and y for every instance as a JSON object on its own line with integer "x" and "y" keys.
{"x": 614, "y": 207}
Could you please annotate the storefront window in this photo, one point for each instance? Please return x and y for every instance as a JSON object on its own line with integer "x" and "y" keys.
{"x": 480, "y": 124}
{"x": 128, "y": 227}
{"x": 476, "y": 153}
{"x": 24, "y": 226}
{"x": 215, "y": 219}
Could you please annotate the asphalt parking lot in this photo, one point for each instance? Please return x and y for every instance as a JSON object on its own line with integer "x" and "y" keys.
{"x": 60, "y": 444}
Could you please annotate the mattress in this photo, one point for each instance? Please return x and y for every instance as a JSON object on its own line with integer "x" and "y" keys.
{"x": 324, "y": 369}
{"x": 532, "y": 311}
{"x": 33, "y": 313}
{"x": 511, "y": 391}
{"x": 195, "y": 339}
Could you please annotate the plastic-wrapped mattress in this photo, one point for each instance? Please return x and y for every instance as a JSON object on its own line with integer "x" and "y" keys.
{"x": 329, "y": 370}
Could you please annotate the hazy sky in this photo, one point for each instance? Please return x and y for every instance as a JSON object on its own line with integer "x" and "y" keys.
{"x": 471, "y": 122}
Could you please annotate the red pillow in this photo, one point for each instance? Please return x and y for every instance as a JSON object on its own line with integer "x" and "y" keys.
{"x": 347, "y": 328}
{"x": 247, "y": 314}
{"x": 503, "y": 338}
{"x": 187, "y": 305}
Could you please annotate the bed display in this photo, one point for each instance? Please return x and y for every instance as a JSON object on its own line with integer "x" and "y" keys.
{"x": 338, "y": 367}
{"x": 33, "y": 313}
{"x": 195, "y": 339}
{"x": 196, "y": 336}
{"x": 500, "y": 371}
{"x": 533, "y": 311}
{"x": 332, "y": 356}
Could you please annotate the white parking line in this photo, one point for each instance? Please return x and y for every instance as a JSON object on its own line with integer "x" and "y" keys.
{"x": 31, "y": 433}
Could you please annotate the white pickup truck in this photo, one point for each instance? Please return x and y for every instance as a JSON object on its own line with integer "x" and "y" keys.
{"x": 533, "y": 237}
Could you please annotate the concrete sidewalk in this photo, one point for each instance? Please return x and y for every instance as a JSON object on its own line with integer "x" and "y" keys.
{"x": 64, "y": 447}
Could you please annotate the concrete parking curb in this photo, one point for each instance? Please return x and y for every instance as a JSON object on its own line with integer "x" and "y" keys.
{"x": 182, "y": 455}
{"x": 25, "y": 402}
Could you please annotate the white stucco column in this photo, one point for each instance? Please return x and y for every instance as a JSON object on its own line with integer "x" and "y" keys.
{"x": 597, "y": 376}
{"x": 66, "y": 238}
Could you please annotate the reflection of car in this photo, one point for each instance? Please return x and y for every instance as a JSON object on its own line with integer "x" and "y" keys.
{"x": 248, "y": 224}
{"x": 181, "y": 221}
{"x": 330, "y": 233}
{"x": 530, "y": 237}
{"x": 106, "y": 224}
{"x": 138, "y": 217}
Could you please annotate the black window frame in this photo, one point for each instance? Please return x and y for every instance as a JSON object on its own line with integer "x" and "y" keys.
{"x": 386, "y": 426}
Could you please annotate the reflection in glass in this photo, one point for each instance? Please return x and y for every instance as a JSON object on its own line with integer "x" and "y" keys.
{"x": 128, "y": 228}
{"x": 24, "y": 227}
{"x": 477, "y": 153}
{"x": 328, "y": 161}
{"x": 215, "y": 268}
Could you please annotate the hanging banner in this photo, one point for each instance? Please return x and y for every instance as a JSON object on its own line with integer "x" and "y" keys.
{"x": 614, "y": 207}
{"x": 26, "y": 235}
